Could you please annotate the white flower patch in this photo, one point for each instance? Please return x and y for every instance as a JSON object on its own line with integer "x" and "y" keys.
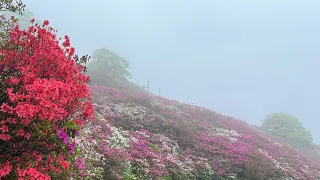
{"x": 134, "y": 113}
{"x": 187, "y": 166}
{"x": 230, "y": 134}
{"x": 167, "y": 144}
{"x": 143, "y": 134}
{"x": 93, "y": 160}
{"x": 104, "y": 109}
{"x": 88, "y": 146}
{"x": 277, "y": 144}
{"x": 118, "y": 139}
{"x": 155, "y": 102}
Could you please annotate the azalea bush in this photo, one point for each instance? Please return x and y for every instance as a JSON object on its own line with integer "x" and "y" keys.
{"x": 45, "y": 101}
{"x": 261, "y": 166}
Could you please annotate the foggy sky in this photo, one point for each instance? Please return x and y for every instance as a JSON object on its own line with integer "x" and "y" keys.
{"x": 243, "y": 58}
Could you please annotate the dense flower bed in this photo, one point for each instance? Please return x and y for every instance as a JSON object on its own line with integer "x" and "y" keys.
{"x": 142, "y": 136}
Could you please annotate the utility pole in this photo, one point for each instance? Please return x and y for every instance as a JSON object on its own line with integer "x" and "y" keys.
{"x": 148, "y": 85}
{"x": 159, "y": 92}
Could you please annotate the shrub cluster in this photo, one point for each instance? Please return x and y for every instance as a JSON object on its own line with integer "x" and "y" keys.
{"x": 44, "y": 103}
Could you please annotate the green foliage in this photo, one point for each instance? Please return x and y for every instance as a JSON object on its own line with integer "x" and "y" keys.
{"x": 108, "y": 69}
{"x": 155, "y": 147}
{"x": 104, "y": 60}
{"x": 216, "y": 177}
{"x": 166, "y": 178}
{"x": 127, "y": 173}
{"x": 289, "y": 128}
{"x": 206, "y": 173}
{"x": 177, "y": 174}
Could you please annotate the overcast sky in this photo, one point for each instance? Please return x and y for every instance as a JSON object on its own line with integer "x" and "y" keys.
{"x": 243, "y": 58}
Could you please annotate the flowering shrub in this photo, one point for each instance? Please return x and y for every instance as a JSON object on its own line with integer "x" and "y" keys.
{"x": 92, "y": 160}
{"x": 44, "y": 103}
{"x": 261, "y": 166}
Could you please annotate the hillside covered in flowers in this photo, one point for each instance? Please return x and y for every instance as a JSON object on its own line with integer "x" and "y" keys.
{"x": 142, "y": 136}
{"x": 57, "y": 124}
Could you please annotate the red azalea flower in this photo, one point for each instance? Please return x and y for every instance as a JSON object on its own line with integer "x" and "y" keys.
{"x": 21, "y": 132}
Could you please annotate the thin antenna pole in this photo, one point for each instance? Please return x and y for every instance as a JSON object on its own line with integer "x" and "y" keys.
{"x": 148, "y": 85}
{"x": 159, "y": 92}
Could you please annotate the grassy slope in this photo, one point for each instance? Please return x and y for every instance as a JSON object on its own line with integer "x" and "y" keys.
{"x": 142, "y": 136}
